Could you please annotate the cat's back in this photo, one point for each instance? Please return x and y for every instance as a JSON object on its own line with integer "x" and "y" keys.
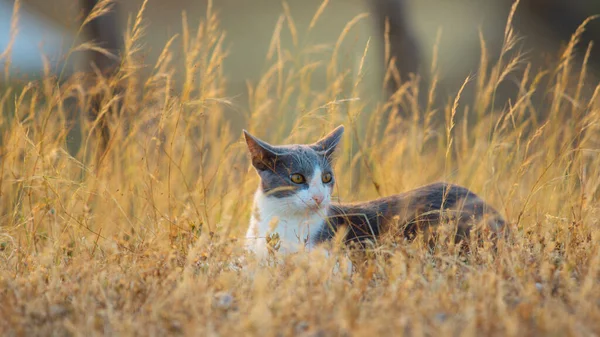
{"x": 415, "y": 209}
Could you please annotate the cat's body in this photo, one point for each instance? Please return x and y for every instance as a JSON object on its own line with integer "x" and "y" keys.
{"x": 293, "y": 201}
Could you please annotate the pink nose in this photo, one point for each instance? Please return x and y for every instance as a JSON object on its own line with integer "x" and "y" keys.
{"x": 318, "y": 199}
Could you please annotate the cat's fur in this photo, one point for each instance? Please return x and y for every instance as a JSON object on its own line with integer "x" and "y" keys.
{"x": 303, "y": 216}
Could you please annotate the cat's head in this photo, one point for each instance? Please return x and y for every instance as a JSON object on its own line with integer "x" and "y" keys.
{"x": 300, "y": 176}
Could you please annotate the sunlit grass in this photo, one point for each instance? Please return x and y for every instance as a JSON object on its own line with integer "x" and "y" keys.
{"x": 145, "y": 238}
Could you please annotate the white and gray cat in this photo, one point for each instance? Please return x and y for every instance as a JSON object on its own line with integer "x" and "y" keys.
{"x": 293, "y": 201}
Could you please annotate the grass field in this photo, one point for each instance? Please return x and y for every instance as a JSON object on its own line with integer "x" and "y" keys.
{"x": 145, "y": 239}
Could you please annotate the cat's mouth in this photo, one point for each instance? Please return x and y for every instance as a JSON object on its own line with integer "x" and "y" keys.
{"x": 317, "y": 207}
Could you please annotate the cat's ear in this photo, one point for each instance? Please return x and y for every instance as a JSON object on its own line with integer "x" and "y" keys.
{"x": 262, "y": 154}
{"x": 328, "y": 144}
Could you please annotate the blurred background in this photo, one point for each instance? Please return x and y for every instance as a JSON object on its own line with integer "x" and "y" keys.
{"x": 50, "y": 27}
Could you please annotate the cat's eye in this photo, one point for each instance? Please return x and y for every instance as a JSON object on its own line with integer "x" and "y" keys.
{"x": 297, "y": 178}
{"x": 326, "y": 178}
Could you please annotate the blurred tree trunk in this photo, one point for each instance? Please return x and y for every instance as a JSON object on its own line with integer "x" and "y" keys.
{"x": 105, "y": 32}
{"x": 563, "y": 18}
{"x": 404, "y": 55}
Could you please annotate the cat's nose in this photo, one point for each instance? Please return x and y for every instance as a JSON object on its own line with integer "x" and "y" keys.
{"x": 318, "y": 199}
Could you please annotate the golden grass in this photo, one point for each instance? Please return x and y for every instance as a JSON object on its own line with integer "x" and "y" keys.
{"x": 143, "y": 240}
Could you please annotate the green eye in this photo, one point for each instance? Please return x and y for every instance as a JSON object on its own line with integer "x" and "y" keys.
{"x": 297, "y": 178}
{"x": 326, "y": 178}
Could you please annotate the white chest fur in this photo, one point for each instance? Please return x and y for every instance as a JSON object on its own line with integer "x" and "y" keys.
{"x": 272, "y": 216}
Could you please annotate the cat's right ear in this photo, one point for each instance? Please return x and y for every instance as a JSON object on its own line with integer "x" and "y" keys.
{"x": 262, "y": 154}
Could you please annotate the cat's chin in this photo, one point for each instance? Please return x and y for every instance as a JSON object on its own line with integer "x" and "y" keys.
{"x": 317, "y": 208}
{"x": 308, "y": 210}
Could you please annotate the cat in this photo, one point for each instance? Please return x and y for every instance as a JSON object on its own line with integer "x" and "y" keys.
{"x": 293, "y": 208}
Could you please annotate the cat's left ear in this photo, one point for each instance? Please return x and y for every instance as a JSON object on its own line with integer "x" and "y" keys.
{"x": 263, "y": 155}
{"x": 328, "y": 144}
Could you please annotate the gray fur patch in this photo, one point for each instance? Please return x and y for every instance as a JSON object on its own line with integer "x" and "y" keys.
{"x": 276, "y": 164}
{"x": 301, "y": 159}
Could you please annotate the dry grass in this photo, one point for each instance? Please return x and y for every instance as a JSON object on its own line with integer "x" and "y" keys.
{"x": 142, "y": 240}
